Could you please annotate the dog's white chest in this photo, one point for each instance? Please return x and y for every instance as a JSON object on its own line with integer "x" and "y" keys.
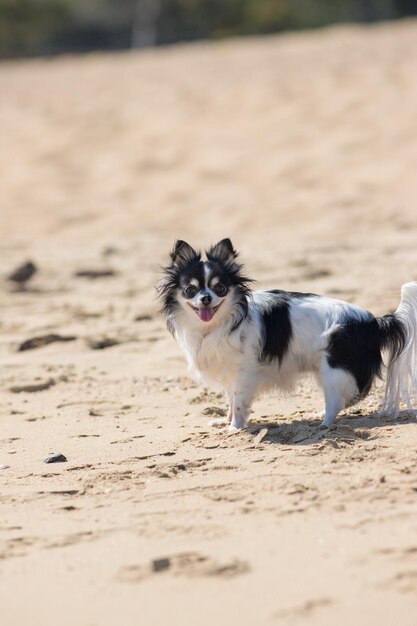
{"x": 214, "y": 358}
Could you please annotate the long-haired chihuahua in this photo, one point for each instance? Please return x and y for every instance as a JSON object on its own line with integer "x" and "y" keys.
{"x": 247, "y": 342}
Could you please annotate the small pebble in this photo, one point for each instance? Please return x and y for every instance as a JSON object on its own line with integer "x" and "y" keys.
{"x": 159, "y": 565}
{"x": 56, "y": 458}
{"x": 23, "y": 273}
{"x": 4, "y": 467}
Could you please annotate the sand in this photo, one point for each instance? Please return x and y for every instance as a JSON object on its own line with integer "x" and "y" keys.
{"x": 302, "y": 149}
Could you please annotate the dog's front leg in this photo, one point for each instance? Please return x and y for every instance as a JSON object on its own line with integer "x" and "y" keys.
{"x": 242, "y": 400}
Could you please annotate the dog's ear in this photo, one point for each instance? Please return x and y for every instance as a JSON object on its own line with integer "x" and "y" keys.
{"x": 222, "y": 251}
{"x": 182, "y": 253}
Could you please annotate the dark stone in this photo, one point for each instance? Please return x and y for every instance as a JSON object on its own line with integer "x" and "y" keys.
{"x": 159, "y": 565}
{"x": 56, "y": 458}
{"x": 23, "y": 273}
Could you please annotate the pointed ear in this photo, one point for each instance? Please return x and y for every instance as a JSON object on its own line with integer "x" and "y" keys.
{"x": 222, "y": 251}
{"x": 183, "y": 253}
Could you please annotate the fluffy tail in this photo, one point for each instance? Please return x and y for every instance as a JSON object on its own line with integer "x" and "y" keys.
{"x": 398, "y": 334}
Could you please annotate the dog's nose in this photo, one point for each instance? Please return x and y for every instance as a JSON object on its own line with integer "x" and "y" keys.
{"x": 206, "y": 299}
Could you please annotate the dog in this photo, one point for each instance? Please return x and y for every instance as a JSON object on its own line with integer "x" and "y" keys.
{"x": 247, "y": 342}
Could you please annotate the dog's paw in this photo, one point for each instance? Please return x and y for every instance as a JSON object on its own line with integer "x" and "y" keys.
{"x": 233, "y": 428}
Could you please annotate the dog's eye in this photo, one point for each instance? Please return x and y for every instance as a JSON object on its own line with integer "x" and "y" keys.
{"x": 190, "y": 291}
{"x": 219, "y": 289}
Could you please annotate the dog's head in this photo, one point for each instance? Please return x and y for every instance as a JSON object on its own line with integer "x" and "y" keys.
{"x": 206, "y": 292}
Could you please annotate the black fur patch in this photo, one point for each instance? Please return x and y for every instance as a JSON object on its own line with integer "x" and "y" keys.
{"x": 356, "y": 346}
{"x": 277, "y": 323}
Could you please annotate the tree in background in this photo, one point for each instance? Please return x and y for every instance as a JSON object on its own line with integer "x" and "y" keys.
{"x": 33, "y": 27}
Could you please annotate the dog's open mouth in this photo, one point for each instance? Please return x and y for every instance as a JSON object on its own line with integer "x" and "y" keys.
{"x": 206, "y": 313}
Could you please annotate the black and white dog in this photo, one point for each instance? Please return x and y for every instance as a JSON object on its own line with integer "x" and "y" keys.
{"x": 247, "y": 342}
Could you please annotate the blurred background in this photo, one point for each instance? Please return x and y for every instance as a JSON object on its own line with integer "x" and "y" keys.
{"x": 45, "y": 27}
{"x": 287, "y": 125}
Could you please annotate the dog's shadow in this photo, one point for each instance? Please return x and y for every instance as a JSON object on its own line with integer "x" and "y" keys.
{"x": 346, "y": 428}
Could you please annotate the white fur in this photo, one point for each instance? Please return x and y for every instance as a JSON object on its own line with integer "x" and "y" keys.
{"x": 402, "y": 373}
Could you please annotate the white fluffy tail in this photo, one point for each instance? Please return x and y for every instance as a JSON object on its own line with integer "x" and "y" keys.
{"x": 401, "y": 382}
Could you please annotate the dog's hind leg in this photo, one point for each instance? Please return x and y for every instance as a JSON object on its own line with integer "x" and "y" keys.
{"x": 339, "y": 389}
{"x": 334, "y": 404}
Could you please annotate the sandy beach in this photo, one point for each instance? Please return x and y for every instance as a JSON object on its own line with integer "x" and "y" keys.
{"x": 302, "y": 149}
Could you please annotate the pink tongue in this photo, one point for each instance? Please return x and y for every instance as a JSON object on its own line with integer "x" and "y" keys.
{"x": 206, "y": 314}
